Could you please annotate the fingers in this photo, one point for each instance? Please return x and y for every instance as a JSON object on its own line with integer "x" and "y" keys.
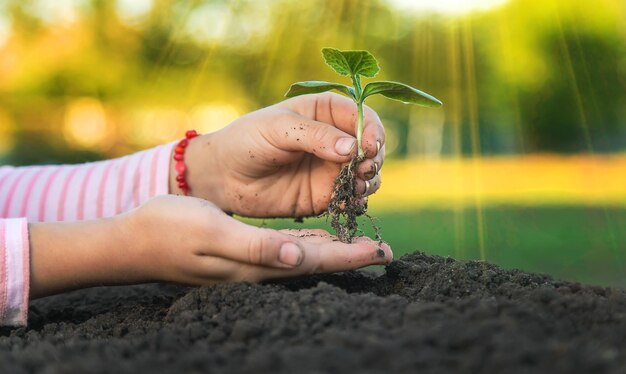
{"x": 311, "y": 235}
{"x": 368, "y": 187}
{"x": 331, "y": 144}
{"x": 337, "y": 256}
{"x": 325, "y": 255}
{"x": 369, "y": 167}
{"x": 373, "y": 132}
{"x": 340, "y": 111}
{"x": 237, "y": 241}
{"x": 297, "y": 133}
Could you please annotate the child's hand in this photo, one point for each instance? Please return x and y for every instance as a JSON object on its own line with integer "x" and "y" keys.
{"x": 182, "y": 239}
{"x": 282, "y": 160}
{"x": 190, "y": 240}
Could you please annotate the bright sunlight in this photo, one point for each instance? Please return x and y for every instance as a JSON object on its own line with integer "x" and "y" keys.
{"x": 448, "y": 6}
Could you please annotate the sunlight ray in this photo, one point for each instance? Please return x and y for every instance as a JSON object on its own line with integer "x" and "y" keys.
{"x": 472, "y": 111}
{"x": 567, "y": 52}
{"x": 199, "y": 76}
{"x": 454, "y": 118}
{"x": 506, "y": 41}
{"x": 272, "y": 52}
{"x": 361, "y": 35}
{"x": 164, "y": 60}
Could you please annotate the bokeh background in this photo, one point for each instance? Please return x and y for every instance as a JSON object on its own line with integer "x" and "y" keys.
{"x": 524, "y": 166}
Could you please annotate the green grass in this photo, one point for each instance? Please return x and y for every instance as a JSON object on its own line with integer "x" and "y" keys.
{"x": 585, "y": 244}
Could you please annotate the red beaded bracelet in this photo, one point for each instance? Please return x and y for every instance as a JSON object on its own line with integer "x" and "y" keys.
{"x": 179, "y": 157}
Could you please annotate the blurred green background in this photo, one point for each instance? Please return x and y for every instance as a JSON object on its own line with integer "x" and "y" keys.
{"x": 523, "y": 166}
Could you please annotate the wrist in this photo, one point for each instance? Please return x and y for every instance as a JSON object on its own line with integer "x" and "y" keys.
{"x": 203, "y": 172}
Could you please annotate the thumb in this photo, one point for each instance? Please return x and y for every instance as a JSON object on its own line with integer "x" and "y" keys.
{"x": 321, "y": 139}
{"x": 256, "y": 246}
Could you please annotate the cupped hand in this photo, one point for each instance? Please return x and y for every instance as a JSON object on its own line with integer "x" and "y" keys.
{"x": 190, "y": 240}
{"x": 281, "y": 161}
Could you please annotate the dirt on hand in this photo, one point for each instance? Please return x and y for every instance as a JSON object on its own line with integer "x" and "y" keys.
{"x": 425, "y": 314}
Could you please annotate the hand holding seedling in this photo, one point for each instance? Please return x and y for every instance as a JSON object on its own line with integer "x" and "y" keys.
{"x": 281, "y": 161}
{"x": 345, "y": 204}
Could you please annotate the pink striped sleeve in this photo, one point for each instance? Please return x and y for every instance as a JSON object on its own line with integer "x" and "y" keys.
{"x": 86, "y": 191}
{"x": 14, "y": 271}
{"x": 67, "y": 192}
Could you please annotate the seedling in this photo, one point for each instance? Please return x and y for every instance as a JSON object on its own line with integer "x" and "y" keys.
{"x": 345, "y": 201}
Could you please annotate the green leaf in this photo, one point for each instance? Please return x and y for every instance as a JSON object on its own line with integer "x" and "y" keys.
{"x": 311, "y": 87}
{"x": 401, "y": 92}
{"x": 351, "y": 63}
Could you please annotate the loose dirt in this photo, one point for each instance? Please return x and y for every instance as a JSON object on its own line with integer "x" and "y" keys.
{"x": 424, "y": 314}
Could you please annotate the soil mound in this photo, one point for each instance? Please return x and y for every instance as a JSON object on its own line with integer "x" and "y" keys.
{"x": 426, "y": 314}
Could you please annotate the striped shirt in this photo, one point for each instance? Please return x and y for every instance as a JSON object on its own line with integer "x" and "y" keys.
{"x": 66, "y": 193}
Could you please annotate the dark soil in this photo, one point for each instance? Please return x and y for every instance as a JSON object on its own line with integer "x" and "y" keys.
{"x": 425, "y": 314}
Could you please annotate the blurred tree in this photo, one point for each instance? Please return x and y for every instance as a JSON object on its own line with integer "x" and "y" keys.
{"x": 578, "y": 107}
{"x": 527, "y": 76}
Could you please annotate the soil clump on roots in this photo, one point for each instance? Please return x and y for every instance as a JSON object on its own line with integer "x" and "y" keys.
{"x": 346, "y": 203}
{"x": 425, "y": 314}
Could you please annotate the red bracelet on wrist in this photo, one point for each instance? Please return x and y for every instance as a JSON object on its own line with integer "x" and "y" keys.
{"x": 179, "y": 157}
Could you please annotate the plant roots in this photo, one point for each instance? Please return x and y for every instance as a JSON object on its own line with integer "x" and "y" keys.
{"x": 346, "y": 203}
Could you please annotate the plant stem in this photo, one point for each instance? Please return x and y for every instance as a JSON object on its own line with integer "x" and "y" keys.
{"x": 359, "y": 129}
{"x": 356, "y": 81}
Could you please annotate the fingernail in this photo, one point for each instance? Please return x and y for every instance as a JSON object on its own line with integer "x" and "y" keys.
{"x": 290, "y": 254}
{"x": 344, "y": 146}
{"x": 384, "y": 246}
